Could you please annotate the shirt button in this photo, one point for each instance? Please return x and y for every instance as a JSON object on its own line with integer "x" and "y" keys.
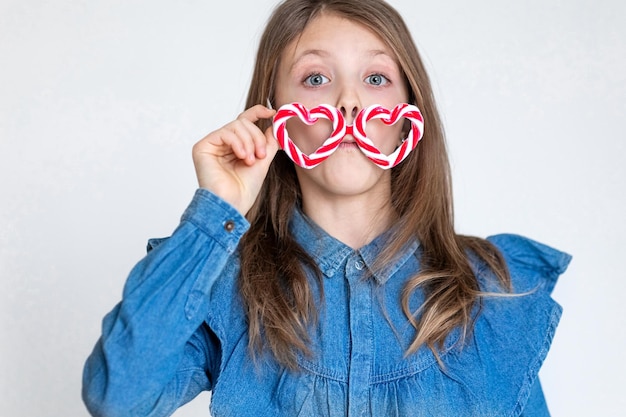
{"x": 359, "y": 265}
{"x": 229, "y": 226}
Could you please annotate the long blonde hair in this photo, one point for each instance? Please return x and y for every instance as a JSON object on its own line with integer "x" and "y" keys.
{"x": 277, "y": 294}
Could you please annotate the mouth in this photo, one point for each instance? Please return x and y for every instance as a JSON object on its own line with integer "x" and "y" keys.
{"x": 348, "y": 138}
{"x": 348, "y": 143}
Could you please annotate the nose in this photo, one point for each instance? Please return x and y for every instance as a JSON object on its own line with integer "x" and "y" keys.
{"x": 349, "y": 103}
{"x": 349, "y": 113}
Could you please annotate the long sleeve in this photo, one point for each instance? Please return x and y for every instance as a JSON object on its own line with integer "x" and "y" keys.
{"x": 536, "y": 405}
{"x": 155, "y": 348}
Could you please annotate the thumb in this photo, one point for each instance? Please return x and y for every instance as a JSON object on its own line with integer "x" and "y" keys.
{"x": 271, "y": 143}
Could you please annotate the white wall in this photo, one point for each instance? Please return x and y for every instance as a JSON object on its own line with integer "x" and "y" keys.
{"x": 100, "y": 103}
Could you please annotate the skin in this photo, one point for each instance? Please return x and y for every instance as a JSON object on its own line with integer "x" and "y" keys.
{"x": 232, "y": 162}
{"x": 337, "y": 62}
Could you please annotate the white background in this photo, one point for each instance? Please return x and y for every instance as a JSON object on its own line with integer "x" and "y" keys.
{"x": 100, "y": 103}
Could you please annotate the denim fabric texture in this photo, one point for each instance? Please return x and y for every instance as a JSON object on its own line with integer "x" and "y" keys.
{"x": 180, "y": 329}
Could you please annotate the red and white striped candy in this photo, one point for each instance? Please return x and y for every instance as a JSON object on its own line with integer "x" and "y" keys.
{"x": 388, "y": 117}
{"x": 323, "y": 111}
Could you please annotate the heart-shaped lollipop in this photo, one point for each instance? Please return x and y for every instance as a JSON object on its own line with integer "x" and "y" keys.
{"x": 388, "y": 117}
{"x": 323, "y": 111}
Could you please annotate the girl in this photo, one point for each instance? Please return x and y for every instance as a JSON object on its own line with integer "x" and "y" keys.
{"x": 341, "y": 290}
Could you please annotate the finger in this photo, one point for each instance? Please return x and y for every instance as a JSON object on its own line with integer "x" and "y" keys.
{"x": 257, "y": 112}
{"x": 249, "y": 118}
{"x": 234, "y": 142}
{"x": 245, "y": 137}
{"x": 257, "y": 137}
{"x": 271, "y": 144}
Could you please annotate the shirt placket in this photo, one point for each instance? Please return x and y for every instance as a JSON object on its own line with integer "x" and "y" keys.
{"x": 361, "y": 344}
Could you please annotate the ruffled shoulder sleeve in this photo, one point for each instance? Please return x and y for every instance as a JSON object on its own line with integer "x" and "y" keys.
{"x": 533, "y": 265}
{"x": 501, "y": 358}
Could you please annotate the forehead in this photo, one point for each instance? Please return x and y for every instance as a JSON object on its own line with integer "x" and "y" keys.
{"x": 329, "y": 34}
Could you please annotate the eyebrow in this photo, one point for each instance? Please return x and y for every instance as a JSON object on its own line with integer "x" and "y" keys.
{"x": 379, "y": 52}
{"x": 322, "y": 53}
{"x": 307, "y": 53}
{"x": 376, "y": 52}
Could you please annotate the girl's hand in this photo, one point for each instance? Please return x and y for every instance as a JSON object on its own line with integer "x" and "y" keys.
{"x": 232, "y": 162}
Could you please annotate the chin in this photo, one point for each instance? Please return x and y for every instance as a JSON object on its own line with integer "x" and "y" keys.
{"x": 345, "y": 176}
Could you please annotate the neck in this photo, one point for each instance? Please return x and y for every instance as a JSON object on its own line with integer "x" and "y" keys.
{"x": 354, "y": 220}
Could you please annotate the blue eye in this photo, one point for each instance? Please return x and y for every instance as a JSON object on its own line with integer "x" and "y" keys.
{"x": 315, "y": 80}
{"x": 376, "y": 79}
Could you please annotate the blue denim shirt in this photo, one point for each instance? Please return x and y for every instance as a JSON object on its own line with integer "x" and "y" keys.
{"x": 180, "y": 329}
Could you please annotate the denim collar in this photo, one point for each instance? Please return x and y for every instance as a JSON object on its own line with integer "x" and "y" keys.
{"x": 330, "y": 254}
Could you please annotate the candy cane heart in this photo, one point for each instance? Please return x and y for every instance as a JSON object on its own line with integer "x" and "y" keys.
{"x": 309, "y": 117}
{"x": 388, "y": 117}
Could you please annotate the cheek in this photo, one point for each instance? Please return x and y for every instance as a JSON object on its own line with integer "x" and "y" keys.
{"x": 309, "y": 138}
{"x": 386, "y": 138}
